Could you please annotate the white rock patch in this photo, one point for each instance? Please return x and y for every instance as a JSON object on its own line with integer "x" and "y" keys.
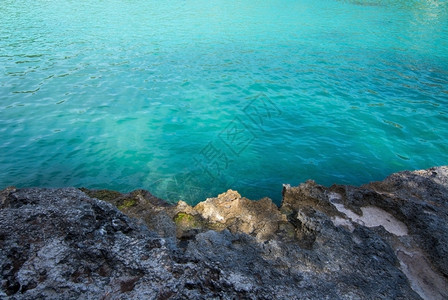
{"x": 371, "y": 217}
{"x": 427, "y": 283}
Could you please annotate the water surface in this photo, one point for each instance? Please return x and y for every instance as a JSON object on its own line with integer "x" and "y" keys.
{"x": 190, "y": 98}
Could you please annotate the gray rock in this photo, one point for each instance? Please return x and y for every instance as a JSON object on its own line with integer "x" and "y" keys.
{"x": 322, "y": 243}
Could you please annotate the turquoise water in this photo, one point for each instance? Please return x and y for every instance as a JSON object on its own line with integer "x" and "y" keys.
{"x": 190, "y": 98}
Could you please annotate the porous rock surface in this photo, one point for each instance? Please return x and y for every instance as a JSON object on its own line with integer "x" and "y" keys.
{"x": 383, "y": 240}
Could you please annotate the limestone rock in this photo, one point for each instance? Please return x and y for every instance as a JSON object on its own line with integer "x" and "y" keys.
{"x": 383, "y": 240}
{"x": 241, "y": 215}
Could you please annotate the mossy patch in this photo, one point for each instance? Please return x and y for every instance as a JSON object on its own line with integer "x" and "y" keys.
{"x": 183, "y": 217}
{"x": 129, "y": 202}
{"x": 185, "y": 220}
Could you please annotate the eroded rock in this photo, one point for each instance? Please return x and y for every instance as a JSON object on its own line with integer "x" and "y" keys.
{"x": 385, "y": 239}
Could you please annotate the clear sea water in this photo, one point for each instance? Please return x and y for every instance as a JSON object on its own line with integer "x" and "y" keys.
{"x": 190, "y": 98}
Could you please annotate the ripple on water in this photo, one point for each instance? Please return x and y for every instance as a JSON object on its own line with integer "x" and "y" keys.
{"x": 188, "y": 100}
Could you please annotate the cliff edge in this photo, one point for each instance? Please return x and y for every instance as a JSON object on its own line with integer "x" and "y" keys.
{"x": 382, "y": 240}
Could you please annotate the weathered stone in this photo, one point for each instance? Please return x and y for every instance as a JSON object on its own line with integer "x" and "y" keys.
{"x": 383, "y": 240}
{"x": 241, "y": 215}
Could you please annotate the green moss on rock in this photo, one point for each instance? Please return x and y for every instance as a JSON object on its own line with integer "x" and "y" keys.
{"x": 129, "y": 202}
{"x": 184, "y": 220}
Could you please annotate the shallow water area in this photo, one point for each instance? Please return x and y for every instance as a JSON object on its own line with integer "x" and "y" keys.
{"x": 190, "y": 98}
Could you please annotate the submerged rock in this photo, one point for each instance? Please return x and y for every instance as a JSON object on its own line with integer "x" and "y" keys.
{"x": 385, "y": 240}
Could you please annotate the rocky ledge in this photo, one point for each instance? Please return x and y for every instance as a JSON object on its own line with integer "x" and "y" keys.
{"x": 383, "y": 240}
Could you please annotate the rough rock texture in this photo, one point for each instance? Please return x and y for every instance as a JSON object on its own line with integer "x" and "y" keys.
{"x": 383, "y": 240}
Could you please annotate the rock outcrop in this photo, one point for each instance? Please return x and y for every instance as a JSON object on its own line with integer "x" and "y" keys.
{"x": 383, "y": 240}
